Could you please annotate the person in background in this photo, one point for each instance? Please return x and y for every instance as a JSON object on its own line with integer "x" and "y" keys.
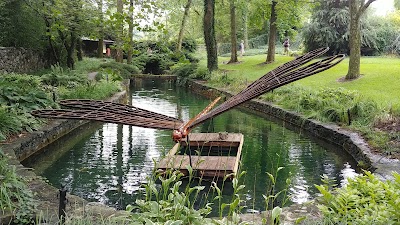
{"x": 286, "y": 46}
{"x": 241, "y": 48}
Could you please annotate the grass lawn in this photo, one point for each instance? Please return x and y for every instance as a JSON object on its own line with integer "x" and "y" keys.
{"x": 380, "y": 80}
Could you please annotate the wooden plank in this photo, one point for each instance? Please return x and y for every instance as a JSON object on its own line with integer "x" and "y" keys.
{"x": 230, "y": 137}
{"x": 207, "y": 166}
{"x": 198, "y": 162}
{"x": 214, "y": 139}
{"x": 238, "y": 156}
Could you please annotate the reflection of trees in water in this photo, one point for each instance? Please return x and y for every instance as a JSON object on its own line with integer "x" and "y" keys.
{"x": 111, "y": 166}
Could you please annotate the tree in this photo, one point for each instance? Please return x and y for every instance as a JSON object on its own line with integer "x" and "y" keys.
{"x": 183, "y": 25}
{"x": 130, "y": 33}
{"x": 100, "y": 29}
{"x": 209, "y": 35}
{"x": 272, "y": 33}
{"x": 65, "y": 22}
{"x": 245, "y": 18}
{"x": 120, "y": 31}
{"x": 21, "y": 26}
{"x": 357, "y": 8}
{"x": 397, "y": 4}
{"x": 233, "y": 32}
{"x": 285, "y": 17}
{"x": 328, "y": 26}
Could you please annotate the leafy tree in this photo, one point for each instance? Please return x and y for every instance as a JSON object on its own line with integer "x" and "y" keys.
{"x": 183, "y": 25}
{"x": 100, "y": 28}
{"x": 357, "y": 8}
{"x": 272, "y": 33}
{"x": 233, "y": 32}
{"x": 120, "y": 30}
{"x": 209, "y": 34}
{"x": 20, "y": 26}
{"x": 130, "y": 32}
{"x": 397, "y": 4}
{"x": 284, "y": 18}
{"x": 65, "y": 23}
{"x": 245, "y": 20}
{"x": 328, "y": 27}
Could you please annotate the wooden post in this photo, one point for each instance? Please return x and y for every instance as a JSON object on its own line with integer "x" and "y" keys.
{"x": 62, "y": 204}
{"x": 190, "y": 151}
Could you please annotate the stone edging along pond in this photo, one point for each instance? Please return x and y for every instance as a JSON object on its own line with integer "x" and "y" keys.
{"x": 29, "y": 144}
{"x": 351, "y": 142}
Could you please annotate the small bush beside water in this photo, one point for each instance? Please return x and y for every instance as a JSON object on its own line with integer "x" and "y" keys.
{"x": 15, "y": 197}
{"x": 17, "y": 99}
{"x": 124, "y": 70}
{"x": 328, "y": 105}
{"x": 364, "y": 200}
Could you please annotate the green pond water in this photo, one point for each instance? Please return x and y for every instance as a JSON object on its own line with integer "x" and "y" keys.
{"x": 108, "y": 163}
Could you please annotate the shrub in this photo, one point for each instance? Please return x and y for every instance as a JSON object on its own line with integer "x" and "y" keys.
{"x": 17, "y": 99}
{"x": 184, "y": 69}
{"x": 224, "y": 48}
{"x": 328, "y": 105}
{"x": 189, "y": 45}
{"x": 58, "y": 76}
{"x": 201, "y": 73}
{"x": 99, "y": 91}
{"x": 154, "y": 63}
{"x": 15, "y": 197}
{"x": 364, "y": 200}
{"x": 259, "y": 41}
{"x": 124, "y": 70}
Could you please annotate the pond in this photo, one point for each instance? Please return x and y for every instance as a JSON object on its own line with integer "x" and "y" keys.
{"x": 108, "y": 163}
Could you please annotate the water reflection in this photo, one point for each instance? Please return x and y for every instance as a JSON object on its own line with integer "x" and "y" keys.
{"x": 112, "y": 163}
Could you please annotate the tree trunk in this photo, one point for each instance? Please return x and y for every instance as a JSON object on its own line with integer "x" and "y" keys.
{"x": 120, "y": 29}
{"x": 182, "y": 29}
{"x": 233, "y": 32}
{"x": 245, "y": 27}
{"x": 55, "y": 52}
{"x": 357, "y": 8}
{"x": 209, "y": 35}
{"x": 79, "y": 49}
{"x": 354, "y": 42}
{"x": 101, "y": 33}
{"x": 272, "y": 34}
{"x": 130, "y": 30}
{"x": 100, "y": 49}
{"x": 71, "y": 50}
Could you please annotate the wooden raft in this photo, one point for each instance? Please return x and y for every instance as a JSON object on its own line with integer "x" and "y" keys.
{"x": 222, "y": 155}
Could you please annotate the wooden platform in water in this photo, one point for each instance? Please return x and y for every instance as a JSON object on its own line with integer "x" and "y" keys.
{"x": 212, "y": 155}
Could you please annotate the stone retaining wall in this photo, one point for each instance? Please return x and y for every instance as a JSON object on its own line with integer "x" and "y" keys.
{"x": 350, "y": 142}
{"x": 20, "y": 60}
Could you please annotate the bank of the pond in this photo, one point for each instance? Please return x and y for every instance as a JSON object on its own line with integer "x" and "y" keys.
{"x": 349, "y": 141}
{"x": 30, "y": 144}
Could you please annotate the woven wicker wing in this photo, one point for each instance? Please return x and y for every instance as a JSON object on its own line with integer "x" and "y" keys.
{"x": 110, "y": 113}
{"x": 282, "y": 75}
{"x": 113, "y": 107}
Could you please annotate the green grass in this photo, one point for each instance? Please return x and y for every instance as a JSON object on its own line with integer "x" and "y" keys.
{"x": 379, "y": 81}
{"x": 371, "y": 99}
